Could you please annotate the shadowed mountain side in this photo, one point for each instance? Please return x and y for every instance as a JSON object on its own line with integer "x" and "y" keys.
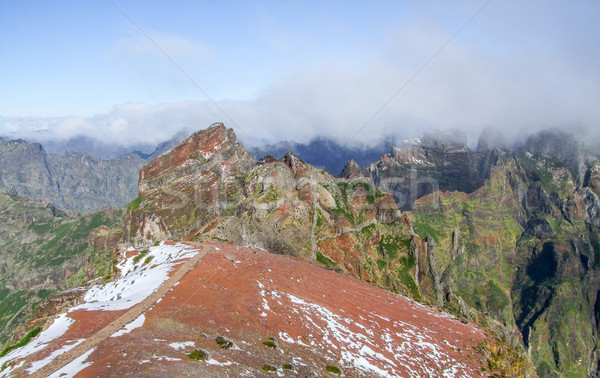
{"x": 71, "y": 180}
{"x": 325, "y": 153}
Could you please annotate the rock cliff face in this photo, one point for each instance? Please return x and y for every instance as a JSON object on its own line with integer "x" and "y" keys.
{"x": 435, "y": 162}
{"x": 24, "y": 171}
{"x": 209, "y": 188}
{"x": 514, "y": 241}
{"x": 73, "y": 181}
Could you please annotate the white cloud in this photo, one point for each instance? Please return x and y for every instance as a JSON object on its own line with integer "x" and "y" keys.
{"x": 470, "y": 85}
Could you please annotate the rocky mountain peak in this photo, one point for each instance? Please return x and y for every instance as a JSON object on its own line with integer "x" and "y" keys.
{"x": 352, "y": 170}
{"x": 200, "y": 145}
{"x": 297, "y": 166}
{"x": 561, "y": 146}
{"x": 444, "y": 139}
{"x": 212, "y": 146}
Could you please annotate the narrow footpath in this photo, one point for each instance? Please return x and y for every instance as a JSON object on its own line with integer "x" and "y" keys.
{"x": 125, "y": 319}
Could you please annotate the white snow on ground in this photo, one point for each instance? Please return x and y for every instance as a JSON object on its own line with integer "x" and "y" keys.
{"x": 137, "y": 323}
{"x": 183, "y": 345}
{"x": 265, "y": 303}
{"x": 138, "y": 279}
{"x": 37, "y": 365}
{"x": 165, "y": 358}
{"x": 217, "y": 363}
{"x": 74, "y": 367}
{"x": 58, "y": 328}
{"x": 366, "y": 343}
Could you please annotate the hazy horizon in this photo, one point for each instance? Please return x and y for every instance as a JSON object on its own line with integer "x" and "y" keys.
{"x": 283, "y": 71}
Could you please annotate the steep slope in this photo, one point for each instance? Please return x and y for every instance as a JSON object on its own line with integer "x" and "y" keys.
{"x": 24, "y": 171}
{"x": 242, "y": 311}
{"x": 208, "y": 188}
{"x": 43, "y": 249}
{"x": 521, "y": 252}
{"x": 435, "y": 162}
{"x": 73, "y": 181}
{"x": 87, "y": 183}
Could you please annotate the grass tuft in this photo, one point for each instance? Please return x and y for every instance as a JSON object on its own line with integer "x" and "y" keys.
{"x": 333, "y": 369}
{"x": 24, "y": 340}
{"x": 269, "y": 368}
{"x": 198, "y": 355}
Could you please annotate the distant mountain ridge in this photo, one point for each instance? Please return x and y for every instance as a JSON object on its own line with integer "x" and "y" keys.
{"x": 504, "y": 236}
{"x": 494, "y": 234}
{"x": 75, "y": 181}
{"x": 325, "y": 152}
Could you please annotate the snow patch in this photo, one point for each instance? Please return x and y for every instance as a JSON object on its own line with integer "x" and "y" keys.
{"x": 37, "y": 365}
{"x": 137, "y": 323}
{"x": 75, "y": 366}
{"x": 217, "y": 363}
{"x": 138, "y": 280}
{"x": 182, "y": 345}
{"x": 58, "y": 328}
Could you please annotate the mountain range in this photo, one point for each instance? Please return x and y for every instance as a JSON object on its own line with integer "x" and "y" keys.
{"x": 502, "y": 238}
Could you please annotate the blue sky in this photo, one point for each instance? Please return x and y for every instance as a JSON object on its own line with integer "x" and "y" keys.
{"x": 292, "y": 70}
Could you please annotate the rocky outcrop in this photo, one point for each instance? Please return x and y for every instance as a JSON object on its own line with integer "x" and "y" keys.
{"x": 191, "y": 184}
{"x": 24, "y": 171}
{"x": 521, "y": 252}
{"x": 561, "y": 147}
{"x": 432, "y": 163}
{"x": 73, "y": 180}
{"x": 326, "y": 153}
{"x": 208, "y": 188}
{"x": 491, "y": 139}
{"x": 353, "y": 170}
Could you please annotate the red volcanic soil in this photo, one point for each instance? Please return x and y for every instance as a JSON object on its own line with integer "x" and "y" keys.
{"x": 287, "y": 314}
{"x": 207, "y": 142}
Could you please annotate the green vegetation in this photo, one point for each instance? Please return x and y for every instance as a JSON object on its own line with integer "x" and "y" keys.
{"x": 393, "y": 244}
{"x": 148, "y": 259}
{"x": 325, "y": 260}
{"x": 271, "y": 342}
{"x": 424, "y": 229}
{"x": 320, "y": 218}
{"x": 24, "y": 340}
{"x": 497, "y": 299}
{"x": 140, "y": 256}
{"x": 502, "y": 360}
{"x": 404, "y": 276}
{"x": 288, "y": 367}
{"x": 135, "y": 204}
{"x": 372, "y": 193}
{"x": 168, "y": 323}
{"x": 199, "y": 355}
{"x": 269, "y": 368}
{"x": 342, "y": 196}
{"x": 367, "y": 232}
{"x": 223, "y": 342}
{"x": 273, "y": 194}
{"x": 333, "y": 369}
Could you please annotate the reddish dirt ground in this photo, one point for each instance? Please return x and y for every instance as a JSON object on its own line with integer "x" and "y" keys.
{"x": 317, "y": 318}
